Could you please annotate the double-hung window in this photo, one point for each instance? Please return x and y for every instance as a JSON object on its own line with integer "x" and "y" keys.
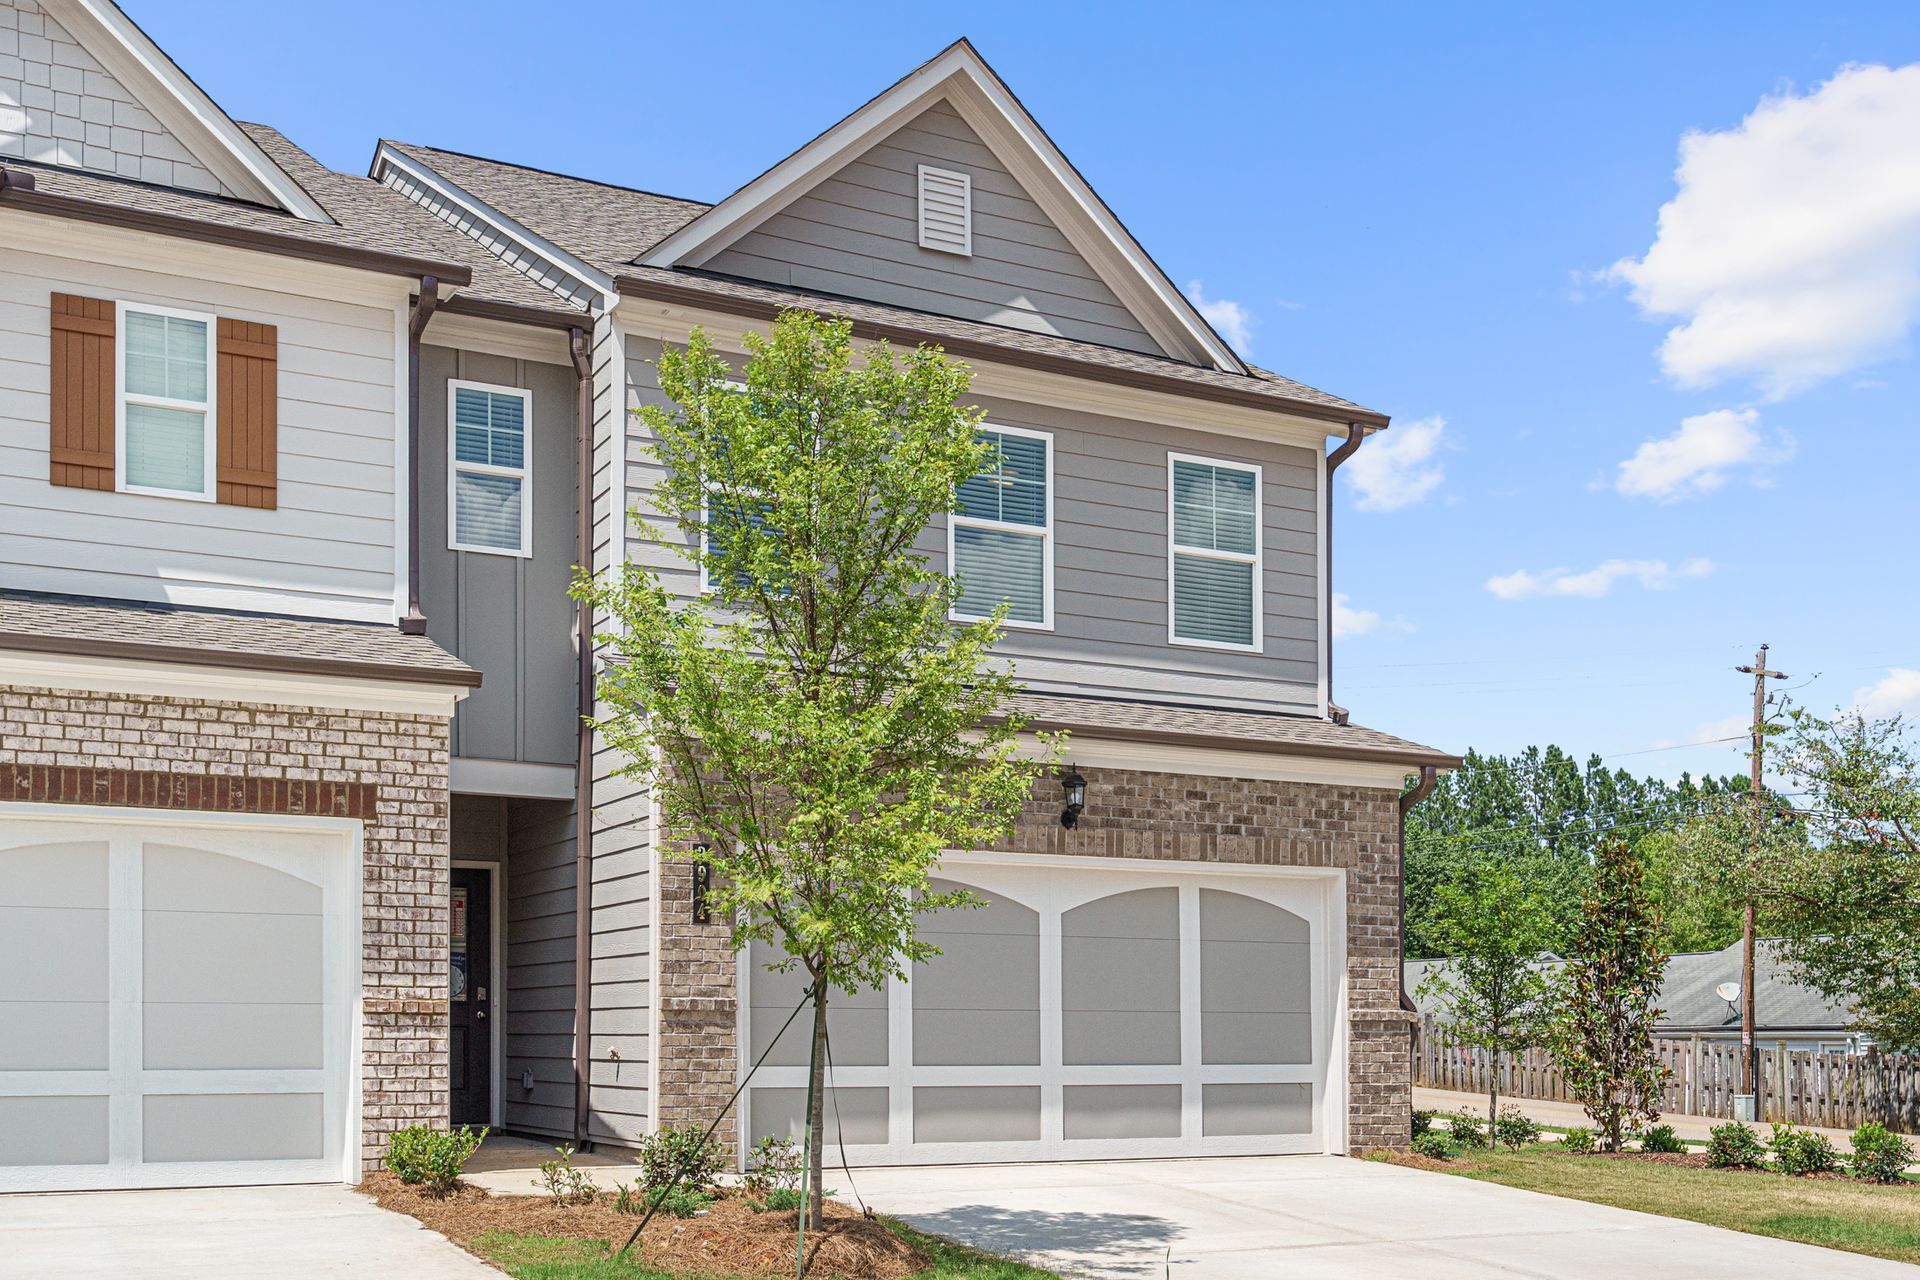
{"x": 164, "y": 435}
{"x": 1000, "y": 541}
{"x": 1214, "y": 530}
{"x": 489, "y": 469}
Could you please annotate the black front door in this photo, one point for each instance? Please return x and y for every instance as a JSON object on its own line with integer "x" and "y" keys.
{"x": 470, "y": 997}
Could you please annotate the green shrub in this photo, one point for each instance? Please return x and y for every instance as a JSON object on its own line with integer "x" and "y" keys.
{"x": 681, "y": 1201}
{"x": 667, "y": 1152}
{"x": 1797, "y": 1152}
{"x": 1432, "y": 1146}
{"x": 1469, "y": 1130}
{"x": 780, "y": 1199}
{"x": 431, "y": 1158}
{"x": 773, "y": 1164}
{"x": 1663, "y": 1139}
{"x": 1514, "y": 1128}
{"x": 1423, "y": 1122}
{"x": 1735, "y": 1146}
{"x": 566, "y": 1184}
{"x": 1879, "y": 1156}
{"x": 1578, "y": 1140}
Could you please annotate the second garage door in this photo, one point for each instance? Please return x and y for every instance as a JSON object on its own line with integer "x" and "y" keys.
{"x": 174, "y": 1000}
{"x": 1092, "y": 1009}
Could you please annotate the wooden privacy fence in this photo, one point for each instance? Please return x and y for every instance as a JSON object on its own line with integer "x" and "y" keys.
{"x": 1797, "y": 1086}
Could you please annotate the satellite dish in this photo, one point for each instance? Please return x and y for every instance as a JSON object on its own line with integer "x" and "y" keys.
{"x": 1728, "y": 991}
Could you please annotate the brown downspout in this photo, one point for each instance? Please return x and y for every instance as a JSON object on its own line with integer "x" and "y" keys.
{"x": 577, "y": 347}
{"x": 1355, "y": 434}
{"x": 424, "y": 304}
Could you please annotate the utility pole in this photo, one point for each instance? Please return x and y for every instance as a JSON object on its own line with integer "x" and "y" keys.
{"x": 1750, "y": 1048}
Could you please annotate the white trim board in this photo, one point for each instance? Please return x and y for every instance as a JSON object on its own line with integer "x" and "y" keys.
{"x": 1268, "y": 765}
{"x": 223, "y": 684}
{"x": 960, "y": 76}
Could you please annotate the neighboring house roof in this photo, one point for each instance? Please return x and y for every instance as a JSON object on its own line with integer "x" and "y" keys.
{"x": 1241, "y": 730}
{"x": 87, "y": 626}
{"x": 1688, "y": 1001}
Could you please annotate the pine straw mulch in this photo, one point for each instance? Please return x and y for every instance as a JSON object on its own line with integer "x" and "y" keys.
{"x": 729, "y": 1239}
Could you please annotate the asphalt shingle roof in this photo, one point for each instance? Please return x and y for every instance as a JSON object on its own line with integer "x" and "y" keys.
{"x": 1245, "y": 730}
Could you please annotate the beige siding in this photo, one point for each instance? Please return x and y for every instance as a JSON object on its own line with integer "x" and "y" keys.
{"x": 856, "y": 234}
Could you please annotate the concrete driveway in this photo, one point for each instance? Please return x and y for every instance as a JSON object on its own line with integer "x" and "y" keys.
{"x": 227, "y": 1233}
{"x": 1301, "y": 1217}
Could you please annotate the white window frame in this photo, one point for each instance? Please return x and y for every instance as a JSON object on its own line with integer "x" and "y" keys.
{"x": 1257, "y": 559}
{"x": 523, "y": 472}
{"x": 209, "y": 410}
{"x": 955, "y": 519}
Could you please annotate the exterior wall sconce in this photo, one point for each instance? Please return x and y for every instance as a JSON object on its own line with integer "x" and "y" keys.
{"x": 1076, "y": 788}
{"x": 702, "y": 881}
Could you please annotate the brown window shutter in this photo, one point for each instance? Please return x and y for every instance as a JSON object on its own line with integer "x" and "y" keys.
{"x": 249, "y": 426}
{"x": 81, "y": 386}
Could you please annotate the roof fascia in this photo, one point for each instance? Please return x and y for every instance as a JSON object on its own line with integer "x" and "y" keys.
{"x": 961, "y": 76}
{"x": 386, "y": 155}
{"x": 182, "y": 106}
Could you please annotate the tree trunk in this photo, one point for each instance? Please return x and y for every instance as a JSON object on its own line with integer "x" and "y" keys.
{"x": 1493, "y": 1098}
{"x": 817, "y": 1117}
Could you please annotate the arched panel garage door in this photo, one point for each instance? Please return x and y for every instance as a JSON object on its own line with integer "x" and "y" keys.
{"x": 175, "y": 998}
{"x": 1091, "y": 1009}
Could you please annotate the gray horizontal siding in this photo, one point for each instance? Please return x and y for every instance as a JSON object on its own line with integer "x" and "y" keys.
{"x": 856, "y": 233}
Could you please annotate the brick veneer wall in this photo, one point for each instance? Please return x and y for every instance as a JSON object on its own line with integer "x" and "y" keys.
{"x": 387, "y": 769}
{"x": 1135, "y": 814}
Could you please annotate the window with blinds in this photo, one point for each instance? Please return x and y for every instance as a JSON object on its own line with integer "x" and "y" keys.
{"x": 1215, "y": 534}
{"x": 166, "y": 405}
{"x": 489, "y": 469}
{"x": 1000, "y": 540}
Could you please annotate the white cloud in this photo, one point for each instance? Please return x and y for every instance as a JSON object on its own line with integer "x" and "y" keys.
{"x": 1697, "y": 458}
{"x": 1234, "y": 321}
{"x": 1896, "y": 693}
{"x": 1590, "y": 584}
{"x": 1349, "y": 621}
{"x": 1397, "y": 468}
{"x": 1792, "y": 249}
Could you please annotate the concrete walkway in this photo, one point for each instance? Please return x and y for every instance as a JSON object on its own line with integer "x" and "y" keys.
{"x": 227, "y": 1233}
{"x": 1304, "y": 1217}
{"x": 1567, "y": 1114}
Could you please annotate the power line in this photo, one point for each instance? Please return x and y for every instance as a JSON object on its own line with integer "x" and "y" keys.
{"x": 1676, "y": 746}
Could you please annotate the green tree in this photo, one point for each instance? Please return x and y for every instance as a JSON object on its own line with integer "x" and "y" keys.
{"x": 815, "y": 720}
{"x": 1493, "y": 993}
{"x": 1837, "y": 878}
{"x": 1603, "y": 1029}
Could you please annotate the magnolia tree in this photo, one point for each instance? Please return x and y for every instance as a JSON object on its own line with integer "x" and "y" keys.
{"x": 1492, "y": 925}
{"x": 814, "y": 719}
{"x": 1602, "y": 1034}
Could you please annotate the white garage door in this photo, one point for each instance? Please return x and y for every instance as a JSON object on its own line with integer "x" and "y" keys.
{"x": 1092, "y": 1009}
{"x": 174, "y": 1000}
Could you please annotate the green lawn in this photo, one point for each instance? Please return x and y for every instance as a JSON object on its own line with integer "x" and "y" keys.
{"x": 555, "y": 1258}
{"x": 1856, "y": 1216}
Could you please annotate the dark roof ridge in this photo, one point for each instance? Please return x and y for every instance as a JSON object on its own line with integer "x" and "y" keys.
{"x": 551, "y": 173}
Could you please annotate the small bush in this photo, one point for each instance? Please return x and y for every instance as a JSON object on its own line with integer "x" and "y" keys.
{"x": 431, "y": 1158}
{"x": 566, "y": 1184}
{"x": 1735, "y": 1146}
{"x": 1469, "y": 1130}
{"x": 1432, "y": 1146}
{"x": 1423, "y": 1122}
{"x": 624, "y": 1201}
{"x": 1578, "y": 1140}
{"x": 1514, "y": 1128}
{"x": 773, "y": 1164}
{"x": 1797, "y": 1152}
{"x": 680, "y": 1201}
{"x": 665, "y": 1153}
{"x": 1661, "y": 1138}
{"x": 780, "y": 1199}
{"x": 1879, "y": 1156}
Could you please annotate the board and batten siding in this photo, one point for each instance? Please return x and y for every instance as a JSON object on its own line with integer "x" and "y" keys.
{"x": 1109, "y": 636}
{"x": 326, "y": 550}
{"x": 856, "y": 234}
{"x": 507, "y": 616}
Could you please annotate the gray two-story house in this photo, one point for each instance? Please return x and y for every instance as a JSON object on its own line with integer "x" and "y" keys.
{"x": 303, "y": 836}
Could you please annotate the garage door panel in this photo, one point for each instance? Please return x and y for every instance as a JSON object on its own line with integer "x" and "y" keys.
{"x": 1113, "y": 1111}
{"x": 189, "y": 1127}
{"x": 180, "y": 878}
{"x": 53, "y": 953}
{"x": 976, "y": 1113}
{"x": 1095, "y": 1039}
{"x": 1226, "y": 916}
{"x": 860, "y": 1114}
{"x": 233, "y": 1036}
{"x": 975, "y": 1037}
{"x": 54, "y": 874}
{"x": 1239, "y": 1038}
{"x": 217, "y": 956}
{"x": 1255, "y": 1110}
{"x": 1286, "y": 977}
{"x": 53, "y": 1130}
{"x": 45, "y": 1035}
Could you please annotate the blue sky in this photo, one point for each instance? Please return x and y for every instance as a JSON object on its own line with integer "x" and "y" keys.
{"x": 1417, "y": 207}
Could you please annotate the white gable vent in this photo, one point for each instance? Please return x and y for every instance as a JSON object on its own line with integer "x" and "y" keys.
{"x": 946, "y": 210}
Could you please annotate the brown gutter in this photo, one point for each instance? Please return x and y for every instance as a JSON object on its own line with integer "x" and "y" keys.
{"x": 421, "y": 311}
{"x": 578, "y": 348}
{"x": 1356, "y": 434}
{"x": 18, "y": 191}
{"x": 511, "y": 312}
{"x": 973, "y": 349}
{"x": 293, "y": 664}
{"x": 1421, "y": 790}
